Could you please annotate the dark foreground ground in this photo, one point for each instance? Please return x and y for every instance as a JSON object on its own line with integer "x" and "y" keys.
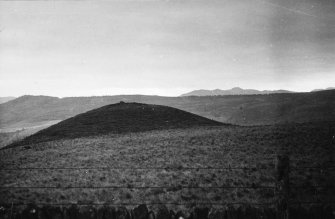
{"x": 207, "y": 167}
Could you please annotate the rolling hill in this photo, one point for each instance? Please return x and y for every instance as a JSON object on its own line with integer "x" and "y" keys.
{"x": 30, "y": 111}
{"x": 120, "y": 118}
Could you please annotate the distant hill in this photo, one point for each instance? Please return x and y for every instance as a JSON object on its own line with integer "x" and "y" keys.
{"x": 233, "y": 91}
{"x": 328, "y": 88}
{"x": 28, "y": 111}
{"x": 121, "y": 118}
{"x": 6, "y": 99}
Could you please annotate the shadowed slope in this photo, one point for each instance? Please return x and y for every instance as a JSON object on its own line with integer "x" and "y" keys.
{"x": 120, "y": 118}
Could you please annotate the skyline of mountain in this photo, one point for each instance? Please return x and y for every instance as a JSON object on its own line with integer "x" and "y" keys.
{"x": 198, "y": 92}
{"x": 328, "y": 88}
{"x": 233, "y": 91}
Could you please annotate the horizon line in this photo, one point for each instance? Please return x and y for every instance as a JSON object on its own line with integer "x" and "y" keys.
{"x": 180, "y": 95}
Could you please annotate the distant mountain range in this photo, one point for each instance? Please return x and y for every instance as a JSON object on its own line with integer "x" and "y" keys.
{"x": 328, "y": 88}
{"x": 233, "y": 91}
{"x": 6, "y": 99}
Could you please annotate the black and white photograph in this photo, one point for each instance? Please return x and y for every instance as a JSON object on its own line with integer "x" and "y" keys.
{"x": 167, "y": 109}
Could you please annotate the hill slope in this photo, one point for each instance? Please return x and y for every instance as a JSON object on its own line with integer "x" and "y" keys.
{"x": 240, "y": 109}
{"x": 120, "y": 118}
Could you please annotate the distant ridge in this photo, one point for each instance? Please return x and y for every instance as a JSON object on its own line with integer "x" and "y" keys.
{"x": 328, "y": 88}
{"x": 233, "y": 91}
{"x": 28, "y": 111}
{"x": 6, "y": 99}
{"x": 120, "y": 118}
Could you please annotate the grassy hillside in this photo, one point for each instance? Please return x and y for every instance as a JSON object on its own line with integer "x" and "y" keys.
{"x": 175, "y": 166}
{"x": 120, "y": 118}
{"x": 244, "y": 110}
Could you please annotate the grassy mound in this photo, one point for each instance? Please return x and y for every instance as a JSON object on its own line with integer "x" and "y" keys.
{"x": 117, "y": 119}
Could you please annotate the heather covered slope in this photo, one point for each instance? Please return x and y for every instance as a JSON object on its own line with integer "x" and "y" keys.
{"x": 120, "y": 118}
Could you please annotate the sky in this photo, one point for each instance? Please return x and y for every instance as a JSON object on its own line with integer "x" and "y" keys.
{"x": 86, "y": 48}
